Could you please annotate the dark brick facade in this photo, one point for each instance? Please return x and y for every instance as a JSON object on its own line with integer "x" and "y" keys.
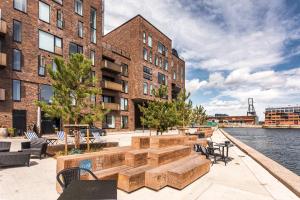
{"x": 128, "y": 37}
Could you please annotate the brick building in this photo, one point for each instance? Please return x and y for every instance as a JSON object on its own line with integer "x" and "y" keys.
{"x": 282, "y": 116}
{"x": 32, "y": 33}
{"x": 233, "y": 120}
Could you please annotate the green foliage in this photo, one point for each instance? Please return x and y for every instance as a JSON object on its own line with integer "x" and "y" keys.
{"x": 183, "y": 109}
{"x": 72, "y": 85}
{"x": 159, "y": 114}
{"x": 75, "y": 151}
{"x": 199, "y": 115}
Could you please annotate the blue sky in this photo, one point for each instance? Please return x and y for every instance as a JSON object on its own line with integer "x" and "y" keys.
{"x": 234, "y": 49}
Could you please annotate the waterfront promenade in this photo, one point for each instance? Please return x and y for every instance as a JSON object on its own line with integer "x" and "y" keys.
{"x": 242, "y": 178}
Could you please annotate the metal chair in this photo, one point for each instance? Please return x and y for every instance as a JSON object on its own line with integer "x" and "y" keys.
{"x": 66, "y": 176}
{"x": 31, "y": 135}
{"x": 206, "y": 152}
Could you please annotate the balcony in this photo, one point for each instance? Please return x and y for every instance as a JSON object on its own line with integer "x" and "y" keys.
{"x": 3, "y": 27}
{"x": 111, "y": 66}
{"x": 112, "y": 86}
{"x": 111, "y": 106}
{"x": 3, "y": 60}
{"x": 2, "y": 94}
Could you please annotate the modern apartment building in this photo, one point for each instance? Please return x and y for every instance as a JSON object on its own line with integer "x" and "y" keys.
{"x": 33, "y": 32}
{"x": 282, "y": 116}
{"x": 153, "y": 63}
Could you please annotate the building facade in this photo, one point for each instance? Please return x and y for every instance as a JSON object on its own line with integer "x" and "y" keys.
{"x": 282, "y": 116}
{"x": 233, "y": 120}
{"x": 32, "y": 33}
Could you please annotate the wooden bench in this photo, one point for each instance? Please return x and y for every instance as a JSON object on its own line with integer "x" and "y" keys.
{"x": 156, "y": 178}
{"x": 162, "y": 156}
{"x": 186, "y": 173}
{"x": 132, "y": 179}
{"x": 136, "y": 158}
{"x": 109, "y": 174}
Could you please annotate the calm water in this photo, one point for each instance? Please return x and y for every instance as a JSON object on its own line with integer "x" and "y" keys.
{"x": 281, "y": 145}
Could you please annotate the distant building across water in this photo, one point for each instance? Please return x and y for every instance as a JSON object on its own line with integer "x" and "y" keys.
{"x": 282, "y": 116}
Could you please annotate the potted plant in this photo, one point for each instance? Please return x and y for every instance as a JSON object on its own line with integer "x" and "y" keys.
{"x": 11, "y": 132}
{"x": 3, "y": 132}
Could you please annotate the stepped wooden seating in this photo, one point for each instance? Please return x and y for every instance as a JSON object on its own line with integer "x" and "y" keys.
{"x": 133, "y": 179}
{"x": 151, "y": 161}
{"x": 162, "y": 156}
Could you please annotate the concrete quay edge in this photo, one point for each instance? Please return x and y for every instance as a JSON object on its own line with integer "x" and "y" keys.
{"x": 284, "y": 175}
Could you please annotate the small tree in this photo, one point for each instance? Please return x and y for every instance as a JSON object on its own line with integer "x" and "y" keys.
{"x": 199, "y": 115}
{"x": 72, "y": 84}
{"x": 183, "y": 109}
{"x": 159, "y": 114}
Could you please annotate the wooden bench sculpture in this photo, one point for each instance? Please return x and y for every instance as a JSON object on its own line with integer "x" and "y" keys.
{"x": 154, "y": 162}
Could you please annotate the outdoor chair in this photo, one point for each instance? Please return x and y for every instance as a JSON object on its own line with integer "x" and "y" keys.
{"x": 83, "y": 138}
{"x": 205, "y": 151}
{"x": 212, "y": 147}
{"x": 31, "y": 135}
{"x": 5, "y": 146}
{"x": 36, "y": 147}
{"x": 61, "y": 137}
{"x": 66, "y": 176}
{"x": 14, "y": 159}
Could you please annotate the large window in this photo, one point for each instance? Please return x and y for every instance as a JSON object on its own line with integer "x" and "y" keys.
{"x": 42, "y": 65}
{"x": 17, "y": 31}
{"x": 80, "y": 29}
{"x": 150, "y": 56}
{"x": 92, "y": 57}
{"x": 124, "y": 121}
{"x": 162, "y": 79}
{"x": 54, "y": 66}
{"x": 44, "y": 12}
{"x": 166, "y": 64}
{"x": 75, "y": 48}
{"x": 108, "y": 99}
{"x": 49, "y": 42}
{"x": 151, "y": 89}
{"x": 125, "y": 86}
{"x": 59, "y": 19}
{"x": 145, "y": 88}
{"x": 150, "y": 41}
{"x": 144, "y": 37}
{"x": 17, "y": 59}
{"x": 93, "y": 22}
{"x": 160, "y": 48}
{"x": 20, "y": 5}
{"x": 79, "y": 7}
{"x": 109, "y": 121}
{"x": 16, "y": 90}
{"x": 124, "y": 69}
{"x": 145, "y": 54}
{"x": 46, "y": 93}
{"x": 124, "y": 104}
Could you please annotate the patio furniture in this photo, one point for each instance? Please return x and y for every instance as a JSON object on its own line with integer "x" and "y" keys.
{"x": 83, "y": 138}
{"x": 36, "y": 147}
{"x": 31, "y": 135}
{"x": 61, "y": 137}
{"x": 66, "y": 176}
{"x": 226, "y": 145}
{"x": 206, "y": 152}
{"x": 90, "y": 190}
{"x": 5, "y": 146}
{"x": 212, "y": 147}
{"x": 97, "y": 136}
{"x": 51, "y": 141}
{"x": 14, "y": 159}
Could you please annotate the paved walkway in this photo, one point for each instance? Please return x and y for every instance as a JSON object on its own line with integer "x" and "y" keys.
{"x": 242, "y": 178}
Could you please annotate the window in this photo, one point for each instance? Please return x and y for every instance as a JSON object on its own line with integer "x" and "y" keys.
{"x": 20, "y": 5}
{"x": 109, "y": 121}
{"x": 80, "y": 29}
{"x": 144, "y": 37}
{"x": 93, "y": 75}
{"x": 44, "y": 12}
{"x": 59, "y": 19}
{"x": 145, "y": 90}
{"x": 124, "y": 69}
{"x": 93, "y": 99}
{"x": 124, "y": 104}
{"x": 160, "y": 62}
{"x": 54, "y": 66}
{"x": 75, "y": 48}
{"x": 17, "y": 31}
{"x": 79, "y": 7}
{"x": 156, "y": 60}
{"x": 93, "y": 22}
{"x": 145, "y": 54}
{"x": 124, "y": 121}
{"x": 147, "y": 70}
{"x": 150, "y": 56}
{"x": 108, "y": 99}
{"x": 151, "y": 89}
{"x": 166, "y": 64}
{"x": 16, "y": 90}
{"x": 48, "y": 42}
{"x": 17, "y": 59}
{"x": 174, "y": 75}
{"x": 150, "y": 41}
{"x": 161, "y": 79}
{"x": 92, "y": 57}
{"x": 59, "y": 1}
{"x": 46, "y": 93}
{"x": 125, "y": 86}
{"x": 42, "y": 66}
{"x": 160, "y": 48}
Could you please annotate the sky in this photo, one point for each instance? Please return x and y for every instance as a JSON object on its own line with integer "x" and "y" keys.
{"x": 233, "y": 49}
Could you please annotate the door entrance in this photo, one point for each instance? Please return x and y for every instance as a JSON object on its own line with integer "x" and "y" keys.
{"x": 19, "y": 121}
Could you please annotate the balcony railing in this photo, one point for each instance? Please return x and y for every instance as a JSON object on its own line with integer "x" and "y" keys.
{"x": 3, "y": 59}
{"x": 112, "y": 86}
{"x": 3, "y": 27}
{"x": 2, "y": 94}
{"x": 111, "y": 106}
{"x": 111, "y": 66}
